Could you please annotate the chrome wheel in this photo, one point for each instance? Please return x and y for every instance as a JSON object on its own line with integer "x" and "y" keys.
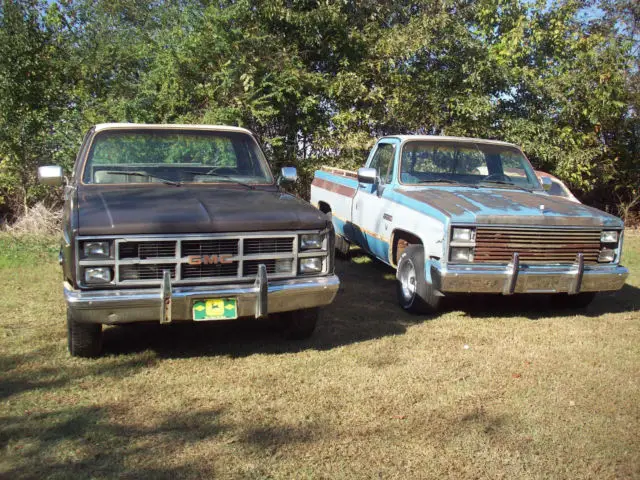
{"x": 407, "y": 279}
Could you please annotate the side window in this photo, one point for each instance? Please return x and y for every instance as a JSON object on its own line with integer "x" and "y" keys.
{"x": 382, "y": 161}
{"x": 556, "y": 189}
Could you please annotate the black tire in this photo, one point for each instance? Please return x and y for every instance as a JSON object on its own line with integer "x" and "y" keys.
{"x": 579, "y": 301}
{"x": 342, "y": 246}
{"x": 299, "y": 324}
{"x": 84, "y": 339}
{"x": 414, "y": 294}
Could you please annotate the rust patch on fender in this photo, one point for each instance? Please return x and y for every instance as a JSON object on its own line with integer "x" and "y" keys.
{"x": 446, "y": 202}
{"x": 334, "y": 187}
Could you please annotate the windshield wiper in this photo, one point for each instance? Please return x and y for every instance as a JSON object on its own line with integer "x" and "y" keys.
{"x": 501, "y": 182}
{"x": 142, "y": 174}
{"x": 218, "y": 175}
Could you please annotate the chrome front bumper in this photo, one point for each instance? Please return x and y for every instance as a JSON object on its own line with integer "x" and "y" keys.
{"x": 518, "y": 278}
{"x": 168, "y": 304}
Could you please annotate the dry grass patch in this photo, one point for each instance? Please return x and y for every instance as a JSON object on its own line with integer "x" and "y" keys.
{"x": 375, "y": 393}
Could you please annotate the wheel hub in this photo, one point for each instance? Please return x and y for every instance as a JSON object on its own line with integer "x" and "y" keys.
{"x": 407, "y": 279}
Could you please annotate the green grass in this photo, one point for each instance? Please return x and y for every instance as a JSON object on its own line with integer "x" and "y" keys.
{"x": 26, "y": 249}
{"x": 375, "y": 393}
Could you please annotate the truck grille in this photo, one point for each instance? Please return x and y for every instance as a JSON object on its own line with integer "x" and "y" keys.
{"x": 200, "y": 259}
{"x": 539, "y": 245}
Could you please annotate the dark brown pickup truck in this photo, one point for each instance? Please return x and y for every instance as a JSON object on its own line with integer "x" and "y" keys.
{"x": 174, "y": 223}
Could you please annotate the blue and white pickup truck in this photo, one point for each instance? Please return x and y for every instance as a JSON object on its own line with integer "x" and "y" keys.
{"x": 465, "y": 215}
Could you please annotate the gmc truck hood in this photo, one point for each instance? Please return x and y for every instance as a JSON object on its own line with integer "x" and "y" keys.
{"x": 130, "y": 210}
{"x": 507, "y": 207}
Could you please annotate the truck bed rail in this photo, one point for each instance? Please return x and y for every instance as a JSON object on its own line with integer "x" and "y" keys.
{"x": 339, "y": 171}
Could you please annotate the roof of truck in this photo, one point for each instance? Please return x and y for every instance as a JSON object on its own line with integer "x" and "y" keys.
{"x": 156, "y": 126}
{"x": 432, "y": 138}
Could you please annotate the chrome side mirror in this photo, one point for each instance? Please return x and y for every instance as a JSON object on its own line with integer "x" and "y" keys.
{"x": 50, "y": 175}
{"x": 368, "y": 176}
{"x": 546, "y": 183}
{"x": 288, "y": 175}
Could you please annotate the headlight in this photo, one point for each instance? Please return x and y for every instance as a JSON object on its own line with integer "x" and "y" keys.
{"x": 311, "y": 265}
{"x": 461, "y": 254}
{"x": 606, "y": 255}
{"x": 97, "y": 275}
{"x": 310, "y": 241}
{"x": 609, "y": 236}
{"x": 462, "y": 235}
{"x": 95, "y": 249}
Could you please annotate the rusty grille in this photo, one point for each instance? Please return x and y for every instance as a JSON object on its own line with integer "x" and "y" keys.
{"x": 537, "y": 245}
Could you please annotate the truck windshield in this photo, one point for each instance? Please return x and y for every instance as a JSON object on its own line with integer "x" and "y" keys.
{"x": 175, "y": 157}
{"x": 466, "y": 163}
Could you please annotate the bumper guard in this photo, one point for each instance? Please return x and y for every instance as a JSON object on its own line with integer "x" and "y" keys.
{"x": 518, "y": 278}
{"x": 169, "y": 303}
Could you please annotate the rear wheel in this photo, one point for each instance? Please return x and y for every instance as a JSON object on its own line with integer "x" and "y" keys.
{"x": 83, "y": 339}
{"x": 414, "y": 293}
{"x": 299, "y": 324}
{"x": 580, "y": 300}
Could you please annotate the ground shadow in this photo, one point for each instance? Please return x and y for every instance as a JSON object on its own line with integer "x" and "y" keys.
{"x": 104, "y": 442}
{"x": 14, "y": 381}
{"x": 98, "y": 447}
{"x": 365, "y": 308}
{"x": 535, "y": 307}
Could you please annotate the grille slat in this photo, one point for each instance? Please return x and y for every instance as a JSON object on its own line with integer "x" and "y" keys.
{"x": 254, "y": 246}
{"x": 209, "y": 271}
{"x": 251, "y": 266}
{"x": 210, "y": 247}
{"x": 145, "y": 272}
{"x": 536, "y": 246}
{"x": 144, "y": 250}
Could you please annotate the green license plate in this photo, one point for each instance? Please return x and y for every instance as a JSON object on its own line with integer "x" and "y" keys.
{"x": 215, "y": 309}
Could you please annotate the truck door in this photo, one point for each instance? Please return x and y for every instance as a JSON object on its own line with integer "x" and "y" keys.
{"x": 370, "y": 205}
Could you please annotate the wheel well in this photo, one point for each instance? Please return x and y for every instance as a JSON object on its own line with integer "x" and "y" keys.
{"x": 324, "y": 207}
{"x": 401, "y": 240}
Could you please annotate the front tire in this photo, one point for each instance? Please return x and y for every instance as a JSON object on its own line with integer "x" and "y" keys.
{"x": 342, "y": 246}
{"x": 83, "y": 339}
{"x": 299, "y": 324}
{"x": 578, "y": 301}
{"x": 414, "y": 293}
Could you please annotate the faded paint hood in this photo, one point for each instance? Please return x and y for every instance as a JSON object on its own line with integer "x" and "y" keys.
{"x": 508, "y": 207}
{"x": 130, "y": 210}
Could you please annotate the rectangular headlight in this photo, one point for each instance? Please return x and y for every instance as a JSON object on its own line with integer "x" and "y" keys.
{"x": 311, "y": 241}
{"x": 461, "y": 254}
{"x": 97, "y": 275}
{"x": 96, "y": 249}
{"x": 609, "y": 236}
{"x": 311, "y": 265}
{"x": 462, "y": 235}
